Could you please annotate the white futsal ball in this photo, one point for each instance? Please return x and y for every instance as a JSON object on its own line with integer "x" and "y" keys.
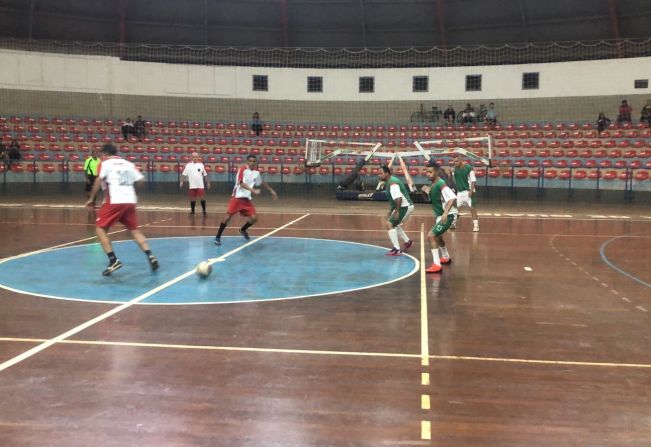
{"x": 203, "y": 269}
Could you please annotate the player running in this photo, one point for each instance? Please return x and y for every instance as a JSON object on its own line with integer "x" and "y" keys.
{"x": 248, "y": 181}
{"x": 445, "y": 212}
{"x": 117, "y": 177}
{"x": 401, "y": 208}
{"x": 464, "y": 178}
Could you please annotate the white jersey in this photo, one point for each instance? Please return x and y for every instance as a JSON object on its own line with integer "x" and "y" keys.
{"x": 118, "y": 176}
{"x": 195, "y": 172}
{"x": 249, "y": 177}
{"x": 396, "y": 193}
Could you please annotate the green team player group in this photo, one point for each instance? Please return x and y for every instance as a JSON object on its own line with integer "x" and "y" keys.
{"x": 444, "y": 205}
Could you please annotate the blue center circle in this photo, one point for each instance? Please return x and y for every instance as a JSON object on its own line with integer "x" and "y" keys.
{"x": 273, "y": 268}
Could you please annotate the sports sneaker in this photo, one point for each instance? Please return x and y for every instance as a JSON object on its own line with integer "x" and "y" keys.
{"x": 245, "y": 234}
{"x": 408, "y": 245}
{"x": 153, "y": 263}
{"x": 475, "y": 228}
{"x": 112, "y": 267}
{"x": 433, "y": 268}
{"x": 445, "y": 261}
{"x": 393, "y": 252}
{"x": 218, "y": 241}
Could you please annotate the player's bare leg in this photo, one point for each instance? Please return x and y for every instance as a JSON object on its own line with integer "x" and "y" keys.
{"x": 105, "y": 242}
{"x": 250, "y": 221}
{"x": 222, "y": 227}
{"x": 141, "y": 240}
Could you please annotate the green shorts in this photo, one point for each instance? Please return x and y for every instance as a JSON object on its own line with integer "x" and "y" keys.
{"x": 442, "y": 227}
{"x": 403, "y": 214}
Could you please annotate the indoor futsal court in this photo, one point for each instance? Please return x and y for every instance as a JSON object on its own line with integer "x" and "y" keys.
{"x": 309, "y": 335}
{"x": 325, "y": 223}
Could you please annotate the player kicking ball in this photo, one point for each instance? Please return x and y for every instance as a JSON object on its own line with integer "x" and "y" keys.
{"x": 247, "y": 182}
{"x": 401, "y": 208}
{"x": 443, "y": 201}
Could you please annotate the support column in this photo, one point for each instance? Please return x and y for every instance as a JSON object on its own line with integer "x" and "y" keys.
{"x": 362, "y": 13}
{"x": 122, "y": 24}
{"x": 440, "y": 15}
{"x": 30, "y": 33}
{"x": 285, "y": 18}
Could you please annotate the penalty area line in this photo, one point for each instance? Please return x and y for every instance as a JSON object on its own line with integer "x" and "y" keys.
{"x": 36, "y": 349}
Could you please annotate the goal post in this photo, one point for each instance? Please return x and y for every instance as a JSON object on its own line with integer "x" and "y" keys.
{"x": 320, "y": 151}
{"x": 431, "y": 148}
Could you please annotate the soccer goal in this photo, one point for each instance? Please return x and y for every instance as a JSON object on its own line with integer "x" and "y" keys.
{"x": 320, "y": 151}
{"x": 475, "y": 148}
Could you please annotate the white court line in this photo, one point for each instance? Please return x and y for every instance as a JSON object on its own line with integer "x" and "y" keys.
{"x": 54, "y": 247}
{"x": 424, "y": 326}
{"x": 643, "y": 309}
{"x": 105, "y": 315}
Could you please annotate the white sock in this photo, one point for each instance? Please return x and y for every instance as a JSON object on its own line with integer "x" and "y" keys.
{"x": 475, "y": 222}
{"x": 435, "y": 256}
{"x": 402, "y": 233}
{"x": 393, "y": 236}
{"x": 444, "y": 252}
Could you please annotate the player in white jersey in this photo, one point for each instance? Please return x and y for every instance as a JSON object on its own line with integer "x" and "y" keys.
{"x": 116, "y": 177}
{"x": 247, "y": 182}
{"x": 196, "y": 175}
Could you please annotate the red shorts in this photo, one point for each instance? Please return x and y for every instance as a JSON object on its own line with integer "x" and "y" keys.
{"x": 243, "y": 206}
{"x": 198, "y": 192}
{"x": 120, "y": 212}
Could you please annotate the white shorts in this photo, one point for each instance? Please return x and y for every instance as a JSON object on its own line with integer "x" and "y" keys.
{"x": 464, "y": 199}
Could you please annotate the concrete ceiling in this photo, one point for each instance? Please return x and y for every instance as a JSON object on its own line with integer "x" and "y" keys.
{"x": 326, "y": 23}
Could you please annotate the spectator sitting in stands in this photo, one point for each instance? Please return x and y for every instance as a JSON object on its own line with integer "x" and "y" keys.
{"x": 449, "y": 115}
{"x": 625, "y": 112}
{"x": 256, "y": 124}
{"x": 14, "y": 152}
{"x": 491, "y": 115}
{"x": 127, "y": 128}
{"x": 602, "y": 122}
{"x": 645, "y": 116}
{"x": 468, "y": 115}
{"x": 140, "y": 130}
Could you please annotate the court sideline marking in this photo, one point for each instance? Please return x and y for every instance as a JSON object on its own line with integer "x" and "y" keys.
{"x": 35, "y": 350}
{"x": 425, "y": 426}
{"x": 425, "y": 377}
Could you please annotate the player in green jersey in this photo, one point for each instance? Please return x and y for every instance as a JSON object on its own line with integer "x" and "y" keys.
{"x": 464, "y": 178}
{"x": 401, "y": 208}
{"x": 443, "y": 204}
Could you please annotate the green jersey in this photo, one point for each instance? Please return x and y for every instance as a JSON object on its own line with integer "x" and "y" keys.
{"x": 396, "y": 189}
{"x": 439, "y": 194}
{"x": 462, "y": 178}
{"x": 90, "y": 166}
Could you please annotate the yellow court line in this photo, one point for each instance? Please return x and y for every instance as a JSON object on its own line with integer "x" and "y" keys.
{"x": 541, "y": 362}
{"x": 424, "y": 327}
{"x": 216, "y": 348}
{"x": 425, "y": 377}
{"x": 425, "y": 430}
{"x": 425, "y": 402}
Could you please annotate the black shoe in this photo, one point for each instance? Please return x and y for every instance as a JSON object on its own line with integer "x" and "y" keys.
{"x": 191, "y": 213}
{"x": 153, "y": 263}
{"x": 112, "y": 267}
{"x": 204, "y": 214}
{"x": 218, "y": 241}
{"x": 245, "y": 234}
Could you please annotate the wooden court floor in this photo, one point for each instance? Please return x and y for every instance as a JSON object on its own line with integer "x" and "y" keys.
{"x": 538, "y": 334}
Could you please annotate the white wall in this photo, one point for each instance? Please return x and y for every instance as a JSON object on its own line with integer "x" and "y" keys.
{"x": 107, "y": 75}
